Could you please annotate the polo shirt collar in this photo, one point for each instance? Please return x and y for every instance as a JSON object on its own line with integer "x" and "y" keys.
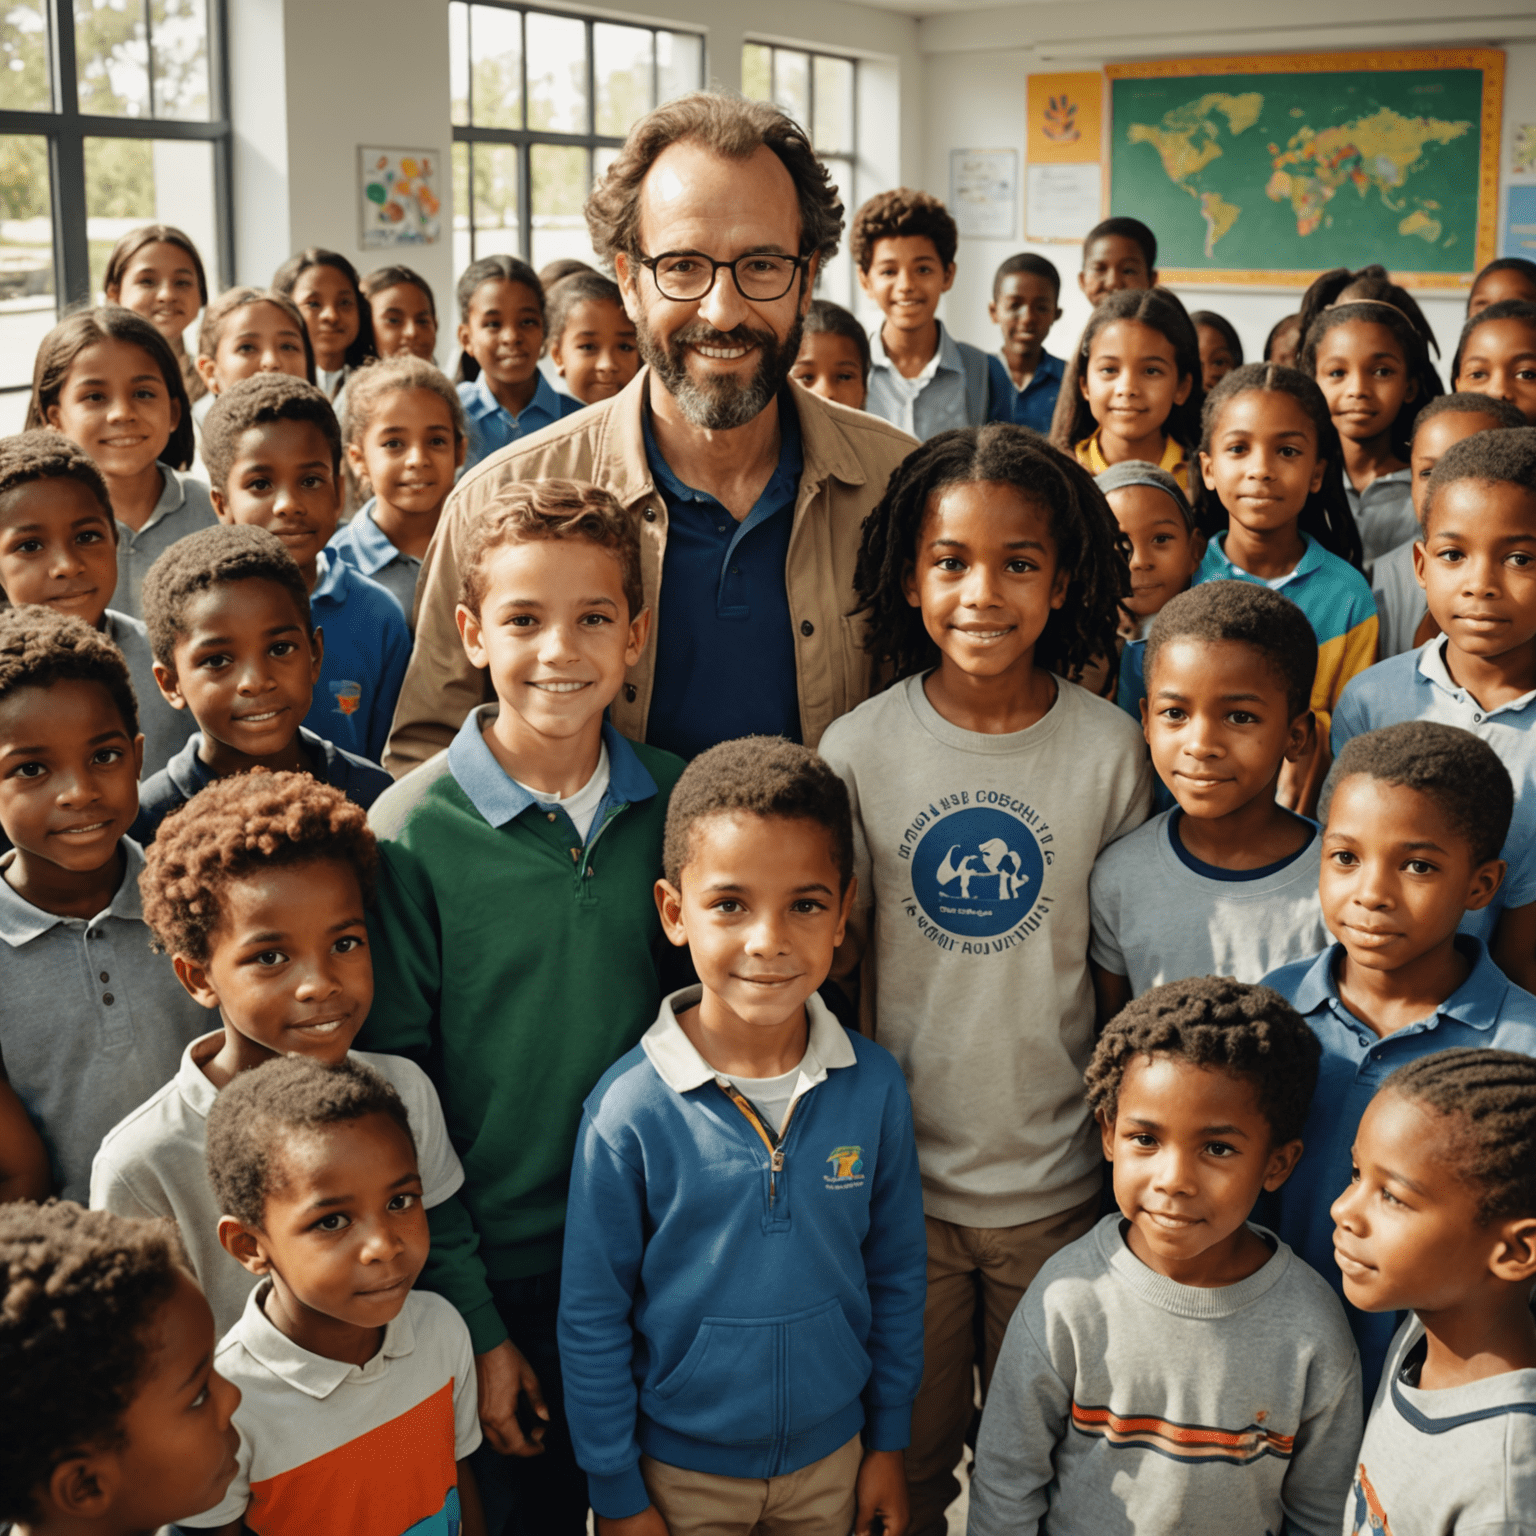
{"x": 172, "y": 495}
{"x": 481, "y": 403}
{"x": 1432, "y": 667}
{"x": 21, "y": 922}
{"x": 1475, "y": 1003}
{"x": 945, "y": 359}
{"x": 679, "y": 1065}
{"x": 1173, "y": 457}
{"x": 314, "y": 1375}
{"x": 370, "y": 544}
{"x": 189, "y": 773}
{"x": 782, "y": 483}
{"x": 1311, "y": 557}
{"x": 1051, "y": 369}
{"x": 331, "y": 586}
{"x": 197, "y": 1093}
{"x": 499, "y": 798}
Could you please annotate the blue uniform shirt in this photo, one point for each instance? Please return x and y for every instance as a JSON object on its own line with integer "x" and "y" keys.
{"x": 1031, "y": 406}
{"x": 367, "y": 646}
{"x": 186, "y": 773}
{"x": 367, "y": 548}
{"x": 1417, "y": 686}
{"x": 725, "y": 648}
{"x": 1486, "y": 1010}
{"x": 490, "y": 426}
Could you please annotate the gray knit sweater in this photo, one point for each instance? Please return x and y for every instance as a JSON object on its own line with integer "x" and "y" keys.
{"x": 1125, "y": 1403}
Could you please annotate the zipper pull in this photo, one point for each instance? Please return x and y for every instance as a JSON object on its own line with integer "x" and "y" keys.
{"x": 775, "y": 1167}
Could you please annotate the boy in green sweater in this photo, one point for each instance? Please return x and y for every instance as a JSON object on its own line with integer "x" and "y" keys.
{"x": 516, "y": 933}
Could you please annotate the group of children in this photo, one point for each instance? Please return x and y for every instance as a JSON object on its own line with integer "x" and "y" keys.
{"x": 691, "y": 1141}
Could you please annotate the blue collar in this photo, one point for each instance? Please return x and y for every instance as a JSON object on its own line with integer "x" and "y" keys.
{"x": 330, "y": 588}
{"x": 189, "y": 773}
{"x": 480, "y": 402}
{"x": 1432, "y": 668}
{"x": 1311, "y": 560}
{"x": 782, "y": 483}
{"x": 369, "y": 542}
{"x": 1476, "y": 1002}
{"x": 499, "y": 798}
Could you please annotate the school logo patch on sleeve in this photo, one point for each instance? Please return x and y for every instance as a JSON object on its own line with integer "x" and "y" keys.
{"x": 978, "y": 865}
{"x": 847, "y": 1167}
{"x": 348, "y": 696}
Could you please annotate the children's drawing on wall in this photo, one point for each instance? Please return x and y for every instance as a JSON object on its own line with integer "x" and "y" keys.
{"x": 398, "y": 201}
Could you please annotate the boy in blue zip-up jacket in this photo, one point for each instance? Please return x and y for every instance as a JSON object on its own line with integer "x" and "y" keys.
{"x": 741, "y": 1312}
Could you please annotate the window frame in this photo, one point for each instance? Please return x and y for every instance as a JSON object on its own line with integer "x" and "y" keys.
{"x": 847, "y": 155}
{"x": 524, "y": 139}
{"x": 66, "y": 128}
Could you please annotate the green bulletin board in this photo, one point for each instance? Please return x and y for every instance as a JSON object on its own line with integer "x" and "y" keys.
{"x": 1270, "y": 170}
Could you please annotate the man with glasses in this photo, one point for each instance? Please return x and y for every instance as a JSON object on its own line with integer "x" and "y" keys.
{"x": 750, "y": 492}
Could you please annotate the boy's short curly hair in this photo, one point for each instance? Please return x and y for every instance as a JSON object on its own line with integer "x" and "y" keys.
{"x": 765, "y": 776}
{"x": 81, "y": 1291}
{"x": 903, "y": 213}
{"x": 270, "y": 1106}
{"x": 39, "y": 648}
{"x": 1505, "y": 457}
{"x": 1270, "y": 625}
{"x": 44, "y": 455}
{"x": 234, "y": 827}
{"x": 551, "y": 509}
{"x": 259, "y": 401}
{"x": 214, "y": 557}
{"x": 1465, "y": 403}
{"x": 1213, "y": 1021}
{"x": 1459, "y": 772}
{"x": 1490, "y": 1099}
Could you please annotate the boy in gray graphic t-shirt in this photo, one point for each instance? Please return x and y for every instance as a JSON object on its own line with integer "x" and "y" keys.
{"x": 1178, "y": 1369}
{"x": 1440, "y": 1218}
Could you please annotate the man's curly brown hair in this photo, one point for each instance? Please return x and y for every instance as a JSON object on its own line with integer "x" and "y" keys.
{"x": 233, "y": 828}
{"x": 79, "y": 1291}
{"x": 899, "y": 214}
{"x": 732, "y": 128}
{"x": 1212, "y": 1021}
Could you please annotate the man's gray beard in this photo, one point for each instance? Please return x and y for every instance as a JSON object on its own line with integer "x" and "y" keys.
{"x": 723, "y": 403}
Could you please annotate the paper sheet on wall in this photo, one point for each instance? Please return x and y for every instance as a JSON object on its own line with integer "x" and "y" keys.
{"x": 983, "y": 192}
{"x": 1520, "y": 230}
{"x": 1061, "y": 202}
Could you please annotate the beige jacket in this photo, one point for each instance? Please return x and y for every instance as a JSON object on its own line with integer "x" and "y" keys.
{"x": 848, "y": 457}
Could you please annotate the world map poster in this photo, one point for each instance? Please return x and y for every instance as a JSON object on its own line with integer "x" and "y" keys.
{"x": 1271, "y": 170}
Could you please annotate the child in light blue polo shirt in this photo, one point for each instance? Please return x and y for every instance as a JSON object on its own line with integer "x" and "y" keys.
{"x": 501, "y": 334}
{"x": 1479, "y": 524}
{"x": 921, "y": 378}
{"x": 405, "y": 442}
{"x": 273, "y": 450}
{"x": 1411, "y": 842}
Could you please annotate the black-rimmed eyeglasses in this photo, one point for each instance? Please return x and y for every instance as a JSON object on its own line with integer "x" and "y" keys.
{"x": 687, "y": 275}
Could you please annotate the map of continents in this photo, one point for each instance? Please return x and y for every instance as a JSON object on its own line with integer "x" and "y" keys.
{"x": 1303, "y": 171}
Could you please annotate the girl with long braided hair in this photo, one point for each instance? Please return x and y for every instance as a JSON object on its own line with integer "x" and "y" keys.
{"x": 983, "y": 784}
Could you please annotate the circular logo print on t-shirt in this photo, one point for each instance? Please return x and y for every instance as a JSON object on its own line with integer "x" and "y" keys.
{"x": 978, "y": 872}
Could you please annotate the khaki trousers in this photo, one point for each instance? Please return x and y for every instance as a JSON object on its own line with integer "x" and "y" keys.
{"x": 991, "y": 1266}
{"x": 818, "y": 1500}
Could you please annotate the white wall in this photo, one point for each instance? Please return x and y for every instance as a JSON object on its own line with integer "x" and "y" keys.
{"x": 976, "y": 69}
{"x": 311, "y": 80}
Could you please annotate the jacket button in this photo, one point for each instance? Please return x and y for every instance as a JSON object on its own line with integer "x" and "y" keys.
{"x": 629, "y": 692}
{"x": 806, "y": 627}
{"x": 650, "y": 514}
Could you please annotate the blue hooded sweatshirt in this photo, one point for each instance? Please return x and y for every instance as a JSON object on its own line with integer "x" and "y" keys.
{"x": 729, "y": 1305}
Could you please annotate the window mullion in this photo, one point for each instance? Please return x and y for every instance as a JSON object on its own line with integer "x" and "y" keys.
{"x": 66, "y": 163}
{"x": 149, "y": 53}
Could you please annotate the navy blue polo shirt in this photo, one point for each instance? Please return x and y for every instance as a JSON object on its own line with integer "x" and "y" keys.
{"x": 725, "y": 648}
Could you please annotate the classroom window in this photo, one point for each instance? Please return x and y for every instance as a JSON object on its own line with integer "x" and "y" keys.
{"x": 541, "y": 104}
{"x": 820, "y": 91}
{"x": 112, "y": 114}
